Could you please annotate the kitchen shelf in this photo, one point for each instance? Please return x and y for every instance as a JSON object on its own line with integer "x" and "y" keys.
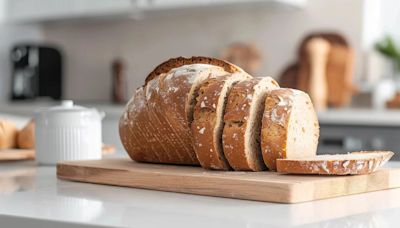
{"x": 27, "y": 109}
{"x": 346, "y": 116}
{"x": 360, "y": 117}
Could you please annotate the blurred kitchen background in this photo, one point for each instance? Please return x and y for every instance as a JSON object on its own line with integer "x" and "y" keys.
{"x": 346, "y": 54}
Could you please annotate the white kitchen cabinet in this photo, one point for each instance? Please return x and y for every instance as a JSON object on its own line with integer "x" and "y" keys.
{"x": 176, "y": 4}
{"x": 26, "y": 11}
{"x": 344, "y": 130}
{"x": 50, "y": 10}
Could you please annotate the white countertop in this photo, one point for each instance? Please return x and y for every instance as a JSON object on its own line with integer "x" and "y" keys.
{"x": 33, "y": 197}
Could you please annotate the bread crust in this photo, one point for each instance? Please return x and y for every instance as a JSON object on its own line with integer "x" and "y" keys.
{"x": 335, "y": 167}
{"x": 131, "y": 131}
{"x": 172, "y": 63}
{"x": 26, "y": 136}
{"x": 236, "y": 119}
{"x": 8, "y": 134}
{"x": 148, "y": 136}
{"x": 155, "y": 126}
{"x": 273, "y": 133}
{"x": 279, "y": 106}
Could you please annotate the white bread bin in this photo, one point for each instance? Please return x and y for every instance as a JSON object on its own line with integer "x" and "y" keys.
{"x": 67, "y": 132}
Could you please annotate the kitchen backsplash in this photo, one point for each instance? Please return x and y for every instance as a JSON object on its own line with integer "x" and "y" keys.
{"x": 90, "y": 46}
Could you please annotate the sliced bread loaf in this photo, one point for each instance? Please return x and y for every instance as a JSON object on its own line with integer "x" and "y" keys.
{"x": 363, "y": 162}
{"x": 290, "y": 126}
{"x": 243, "y": 113}
{"x": 155, "y": 126}
{"x": 208, "y": 123}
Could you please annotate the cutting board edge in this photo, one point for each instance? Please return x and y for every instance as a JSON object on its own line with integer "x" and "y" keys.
{"x": 87, "y": 177}
{"x": 184, "y": 192}
{"x": 392, "y": 181}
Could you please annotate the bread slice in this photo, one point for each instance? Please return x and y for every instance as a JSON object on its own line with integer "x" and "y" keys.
{"x": 241, "y": 135}
{"x": 363, "y": 162}
{"x": 208, "y": 123}
{"x": 290, "y": 126}
{"x": 155, "y": 126}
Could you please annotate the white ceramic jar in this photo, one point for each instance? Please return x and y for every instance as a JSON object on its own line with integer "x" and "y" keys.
{"x": 67, "y": 132}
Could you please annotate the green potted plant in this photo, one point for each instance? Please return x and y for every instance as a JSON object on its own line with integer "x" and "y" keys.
{"x": 389, "y": 85}
{"x": 388, "y": 48}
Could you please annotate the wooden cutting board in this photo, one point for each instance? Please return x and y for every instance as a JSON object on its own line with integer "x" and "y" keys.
{"x": 260, "y": 186}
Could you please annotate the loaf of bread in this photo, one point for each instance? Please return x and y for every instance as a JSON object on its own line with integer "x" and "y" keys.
{"x": 8, "y": 134}
{"x": 208, "y": 120}
{"x": 155, "y": 126}
{"x": 290, "y": 126}
{"x": 204, "y": 111}
{"x": 26, "y": 136}
{"x": 341, "y": 164}
{"x": 241, "y": 135}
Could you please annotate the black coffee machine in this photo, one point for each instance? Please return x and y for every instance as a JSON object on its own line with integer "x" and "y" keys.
{"x": 36, "y": 72}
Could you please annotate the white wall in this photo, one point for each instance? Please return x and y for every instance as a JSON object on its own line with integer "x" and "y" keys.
{"x": 10, "y": 35}
{"x": 390, "y": 13}
{"x": 90, "y": 46}
{"x": 381, "y": 18}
